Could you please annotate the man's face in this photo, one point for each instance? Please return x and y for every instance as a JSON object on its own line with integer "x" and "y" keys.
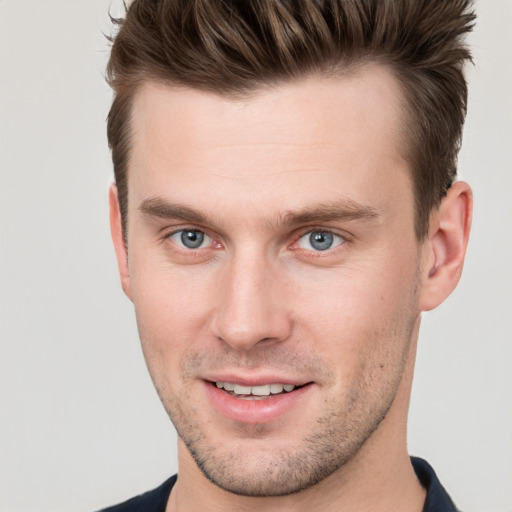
{"x": 271, "y": 245}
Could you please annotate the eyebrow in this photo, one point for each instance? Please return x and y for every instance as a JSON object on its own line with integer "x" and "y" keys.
{"x": 160, "y": 208}
{"x": 342, "y": 210}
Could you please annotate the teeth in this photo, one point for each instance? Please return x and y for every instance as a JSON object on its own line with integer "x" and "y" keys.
{"x": 276, "y": 388}
{"x": 242, "y": 390}
{"x": 264, "y": 390}
{"x": 260, "y": 390}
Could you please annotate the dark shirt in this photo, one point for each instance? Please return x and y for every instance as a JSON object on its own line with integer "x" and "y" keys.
{"x": 156, "y": 500}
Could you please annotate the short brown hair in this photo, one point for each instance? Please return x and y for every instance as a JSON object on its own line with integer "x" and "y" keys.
{"x": 232, "y": 47}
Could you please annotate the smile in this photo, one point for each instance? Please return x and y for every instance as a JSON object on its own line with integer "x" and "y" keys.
{"x": 258, "y": 400}
{"x": 254, "y": 392}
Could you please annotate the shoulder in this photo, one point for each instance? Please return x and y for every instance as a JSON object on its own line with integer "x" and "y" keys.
{"x": 151, "y": 501}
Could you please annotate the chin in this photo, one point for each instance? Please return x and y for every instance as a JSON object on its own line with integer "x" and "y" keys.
{"x": 276, "y": 475}
{"x": 265, "y": 468}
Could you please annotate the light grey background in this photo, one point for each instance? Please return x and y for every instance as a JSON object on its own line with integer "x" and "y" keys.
{"x": 81, "y": 426}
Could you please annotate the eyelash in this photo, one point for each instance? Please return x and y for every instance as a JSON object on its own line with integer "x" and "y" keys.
{"x": 190, "y": 251}
{"x": 344, "y": 239}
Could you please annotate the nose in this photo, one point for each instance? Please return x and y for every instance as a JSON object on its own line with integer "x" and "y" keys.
{"x": 252, "y": 307}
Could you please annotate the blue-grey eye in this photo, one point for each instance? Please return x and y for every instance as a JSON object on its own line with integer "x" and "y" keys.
{"x": 319, "y": 241}
{"x": 190, "y": 238}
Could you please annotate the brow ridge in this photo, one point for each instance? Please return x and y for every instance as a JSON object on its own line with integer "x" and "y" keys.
{"x": 336, "y": 211}
{"x": 160, "y": 208}
{"x": 343, "y": 210}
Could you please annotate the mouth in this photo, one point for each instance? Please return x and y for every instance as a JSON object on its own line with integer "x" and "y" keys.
{"x": 259, "y": 392}
{"x": 259, "y": 400}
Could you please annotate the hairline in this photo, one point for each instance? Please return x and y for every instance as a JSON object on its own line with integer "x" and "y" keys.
{"x": 339, "y": 70}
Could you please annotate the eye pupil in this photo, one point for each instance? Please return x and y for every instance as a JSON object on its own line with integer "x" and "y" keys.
{"x": 192, "y": 239}
{"x": 320, "y": 240}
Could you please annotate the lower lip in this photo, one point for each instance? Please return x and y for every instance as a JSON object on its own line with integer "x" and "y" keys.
{"x": 255, "y": 411}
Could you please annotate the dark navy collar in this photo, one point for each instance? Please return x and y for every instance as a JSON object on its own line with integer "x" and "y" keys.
{"x": 437, "y": 499}
{"x": 151, "y": 501}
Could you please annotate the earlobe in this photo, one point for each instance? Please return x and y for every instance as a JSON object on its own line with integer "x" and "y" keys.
{"x": 445, "y": 249}
{"x": 116, "y": 229}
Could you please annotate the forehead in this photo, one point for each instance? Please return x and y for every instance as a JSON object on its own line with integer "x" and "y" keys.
{"x": 314, "y": 137}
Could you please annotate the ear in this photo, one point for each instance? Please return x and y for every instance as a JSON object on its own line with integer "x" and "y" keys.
{"x": 445, "y": 249}
{"x": 116, "y": 229}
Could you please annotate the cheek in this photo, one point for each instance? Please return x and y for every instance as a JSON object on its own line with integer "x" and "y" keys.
{"x": 360, "y": 318}
{"x": 356, "y": 296}
{"x": 172, "y": 310}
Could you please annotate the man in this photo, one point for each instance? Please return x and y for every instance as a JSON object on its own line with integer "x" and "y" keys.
{"x": 284, "y": 210}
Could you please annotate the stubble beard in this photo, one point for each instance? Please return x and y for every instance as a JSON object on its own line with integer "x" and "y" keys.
{"x": 280, "y": 469}
{"x": 283, "y": 469}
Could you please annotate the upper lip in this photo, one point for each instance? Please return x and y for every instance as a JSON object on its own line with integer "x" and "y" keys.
{"x": 255, "y": 380}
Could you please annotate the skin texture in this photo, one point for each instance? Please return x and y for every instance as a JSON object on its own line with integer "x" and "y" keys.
{"x": 257, "y": 303}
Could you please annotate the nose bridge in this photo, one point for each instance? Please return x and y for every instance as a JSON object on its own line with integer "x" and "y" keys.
{"x": 251, "y": 306}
